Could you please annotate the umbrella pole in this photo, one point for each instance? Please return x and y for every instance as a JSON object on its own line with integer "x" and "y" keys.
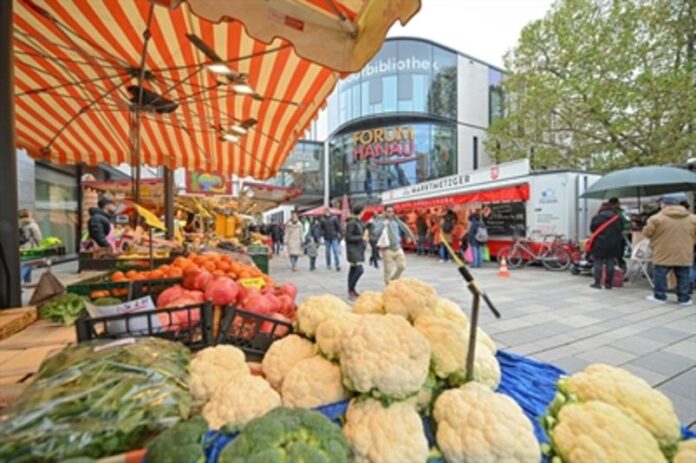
{"x": 10, "y": 291}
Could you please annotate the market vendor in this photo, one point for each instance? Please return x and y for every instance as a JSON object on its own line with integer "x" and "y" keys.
{"x": 100, "y": 228}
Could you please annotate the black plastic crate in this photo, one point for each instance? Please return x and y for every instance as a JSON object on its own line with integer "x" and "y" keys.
{"x": 251, "y": 332}
{"x": 191, "y": 325}
{"x": 124, "y": 290}
{"x": 141, "y": 288}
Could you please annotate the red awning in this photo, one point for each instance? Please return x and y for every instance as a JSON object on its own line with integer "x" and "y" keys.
{"x": 497, "y": 195}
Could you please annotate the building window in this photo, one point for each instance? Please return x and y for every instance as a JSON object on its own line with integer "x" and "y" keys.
{"x": 56, "y": 205}
{"x": 476, "y": 154}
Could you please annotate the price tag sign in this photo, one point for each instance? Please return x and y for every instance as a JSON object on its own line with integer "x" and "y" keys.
{"x": 257, "y": 283}
{"x": 151, "y": 219}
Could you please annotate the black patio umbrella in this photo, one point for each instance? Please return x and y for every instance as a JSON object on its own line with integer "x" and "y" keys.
{"x": 642, "y": 181}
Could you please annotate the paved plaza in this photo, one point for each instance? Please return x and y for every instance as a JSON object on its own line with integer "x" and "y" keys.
{"x": 553, "y": 317}
{"x": 556, "y": 318}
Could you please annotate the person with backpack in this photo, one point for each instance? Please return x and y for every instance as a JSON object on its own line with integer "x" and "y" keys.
{"x": 605, "y": 244}
{"x": 29, "y": 237}
{"x": 449, "y": 221}
{"x": 355, "y": 250}
{"x": 477, "y": 236}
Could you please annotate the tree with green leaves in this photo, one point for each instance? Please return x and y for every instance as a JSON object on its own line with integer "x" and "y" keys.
{"x": 602, "y": 85}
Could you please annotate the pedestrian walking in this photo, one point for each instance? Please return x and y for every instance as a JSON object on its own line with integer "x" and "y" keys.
{"x": 293, "y": 239}
{"x": 606, "y": 244}
{"x": 672, "y": 233}
{"x": 29, "y": 237}
{"x": 449, "y": 220}
{"x": 422, "y": 233}
{"x": 331, "y": 231}
{"x": 477, "y": 236}
{"x": 276, "y": 236}
{"x": 355, "y": 250}
{"x": 373, "y": 237}
{"x": 390, "y": 230}
{"x": 312, "y": 249}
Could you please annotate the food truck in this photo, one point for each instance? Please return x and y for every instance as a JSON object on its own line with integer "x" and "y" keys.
{"x": 516, "y": 201}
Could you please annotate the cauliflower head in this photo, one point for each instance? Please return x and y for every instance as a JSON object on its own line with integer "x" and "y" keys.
{"x": 330, "y": 331}
{"x": 597, "y": 431}
{"x": 313, "y": 382}
{"x": 284, "y": 354}
{"x": 379, "y": 434}
{"x": 477, "y": 425}
{"x": 646, "y": 406}
{"x": 214, "y": 367}
{"x": 316, "y": 309}
{"x": 409, "y": 298}
{"x": 450, "y": 345}
{"x": 686, "y": 452}
{"x": 369, "y": 302}
{"x": 450, "y": 310}
{"x": 385, "y": 356}
{"x": 237, "y": 403}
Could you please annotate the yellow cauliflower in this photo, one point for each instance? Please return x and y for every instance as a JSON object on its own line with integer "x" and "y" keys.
{"x": 450, "y": 310}
{"x": 369, "y": 302}
{"x": 409, "y": 298}
{"x": 646, "y": 406}
{"x": 379, "y": 434}
{"x": 313, "y": 382}
{"x": 284, "y": 354}
{"x": 686, "y": 452}
{"x": 316, "y": 309}
{"x": 450, "y": 344}
{"x": 236, "y": 403}
{"x": 214, "y": 367}
{"x": 330, "y": 331}
{"x": 596, "y": 431}
{"x": 385, "y": 356}
{"x": 477, "y": 425}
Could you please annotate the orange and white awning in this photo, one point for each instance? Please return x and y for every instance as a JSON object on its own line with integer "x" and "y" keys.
{"x": 78, "y": 65}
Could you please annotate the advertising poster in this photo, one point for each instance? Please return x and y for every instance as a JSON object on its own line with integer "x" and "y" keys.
{"x": 207, "y": 184}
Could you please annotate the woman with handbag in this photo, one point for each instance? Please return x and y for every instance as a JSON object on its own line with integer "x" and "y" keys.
{"x": 605, "y": 244}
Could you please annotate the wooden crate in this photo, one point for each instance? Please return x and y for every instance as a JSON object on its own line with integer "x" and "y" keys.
{"x": 15, "y": 320}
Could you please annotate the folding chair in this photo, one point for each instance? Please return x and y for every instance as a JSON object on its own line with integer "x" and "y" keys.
{"x": 640, "y": 263}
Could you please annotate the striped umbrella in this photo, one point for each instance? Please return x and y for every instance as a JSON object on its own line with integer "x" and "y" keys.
{"x": 106, "y": 81}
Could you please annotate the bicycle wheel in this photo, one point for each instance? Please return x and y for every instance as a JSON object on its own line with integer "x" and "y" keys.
{"x": 513, "y": 256}
{"x": 556, "y": 259}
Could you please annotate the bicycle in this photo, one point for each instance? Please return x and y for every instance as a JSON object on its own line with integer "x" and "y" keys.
{"x": 553, "y": 254}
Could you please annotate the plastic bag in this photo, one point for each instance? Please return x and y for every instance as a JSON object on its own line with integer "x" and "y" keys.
{"x": 469, "y": 255}
{"x": 97, "y": 399}
{"x": 486, "y": 254}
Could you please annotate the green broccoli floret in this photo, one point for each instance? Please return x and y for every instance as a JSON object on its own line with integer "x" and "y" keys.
{"x": 291, "y": 435}
{"x": 182, "y": 443}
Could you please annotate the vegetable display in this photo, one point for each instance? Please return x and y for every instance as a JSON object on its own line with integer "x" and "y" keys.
{"x": 239, "y": 401}
{"x": 316, "y": 309}
{"x": 313, "y": 382}
{"x": 283, "y": 355}
{"x": 686, "y": 452}
{"x": 97, "y": 399}
{"x": 646, "y": 408}
{"x": 182, "y": 443}
{"x": 216, "y": 367}
{"x": 288, "y": 435}
{"x": 63, "y": 309}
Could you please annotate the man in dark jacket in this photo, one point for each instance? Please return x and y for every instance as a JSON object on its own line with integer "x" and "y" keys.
{"x": 422, "y": 232}
{"x": 606, "y": 245}
{"x": 331, "y": 231}
{"x": 276, "y": 236}
{"x": 355, "y": 250}
{"x": 99, "y": 225}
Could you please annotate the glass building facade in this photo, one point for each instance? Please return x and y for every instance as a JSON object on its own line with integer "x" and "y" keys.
{"x": 396, "y": 120}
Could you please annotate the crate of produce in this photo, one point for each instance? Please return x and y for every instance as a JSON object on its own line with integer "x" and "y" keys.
{"x": 253, "y": 333}
{"x": 190, "y": 325}
{"x": 87, "y": 261}
{"x": 38, "y": 253}
{"x": 259, "y": 255}
{"x": 126, "y": 290}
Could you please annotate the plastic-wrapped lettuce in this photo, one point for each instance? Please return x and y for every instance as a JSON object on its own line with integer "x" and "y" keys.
{"x": 97, "y": 399}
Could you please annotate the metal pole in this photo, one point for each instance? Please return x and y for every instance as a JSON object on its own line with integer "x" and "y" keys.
{"x": 168, "y": 175}
{"x": 10, "y": 290}
{"x": 471, "y": 352}
{"x": 152, "y": 258}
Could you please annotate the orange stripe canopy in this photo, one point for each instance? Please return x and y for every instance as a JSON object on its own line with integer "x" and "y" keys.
{"x": 78, "y": 67}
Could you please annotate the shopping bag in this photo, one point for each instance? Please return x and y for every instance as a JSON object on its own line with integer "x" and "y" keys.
{"x": 486, "y": 254}
{"x": 383, "y": 241}
{"x": 469, "y": 255}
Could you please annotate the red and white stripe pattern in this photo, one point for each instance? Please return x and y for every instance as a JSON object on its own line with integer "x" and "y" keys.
{"x": 73, "y": 64}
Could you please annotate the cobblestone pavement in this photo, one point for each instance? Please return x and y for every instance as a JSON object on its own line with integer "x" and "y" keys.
{"x": 553, "y": 317}
{"x": 556, "y": 318}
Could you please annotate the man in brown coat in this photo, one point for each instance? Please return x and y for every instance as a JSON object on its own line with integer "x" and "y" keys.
{"x": 672, "y": 233}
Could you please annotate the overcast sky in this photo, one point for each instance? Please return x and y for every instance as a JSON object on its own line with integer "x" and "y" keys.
{"x": 484, "y": 29}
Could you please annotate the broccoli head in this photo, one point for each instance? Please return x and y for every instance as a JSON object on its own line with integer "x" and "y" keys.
{"x": 291, "y": 435}
{"x": 182, "y": 443}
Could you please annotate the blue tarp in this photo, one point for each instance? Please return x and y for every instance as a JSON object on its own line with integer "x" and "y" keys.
{"x": 530, "y": 383}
